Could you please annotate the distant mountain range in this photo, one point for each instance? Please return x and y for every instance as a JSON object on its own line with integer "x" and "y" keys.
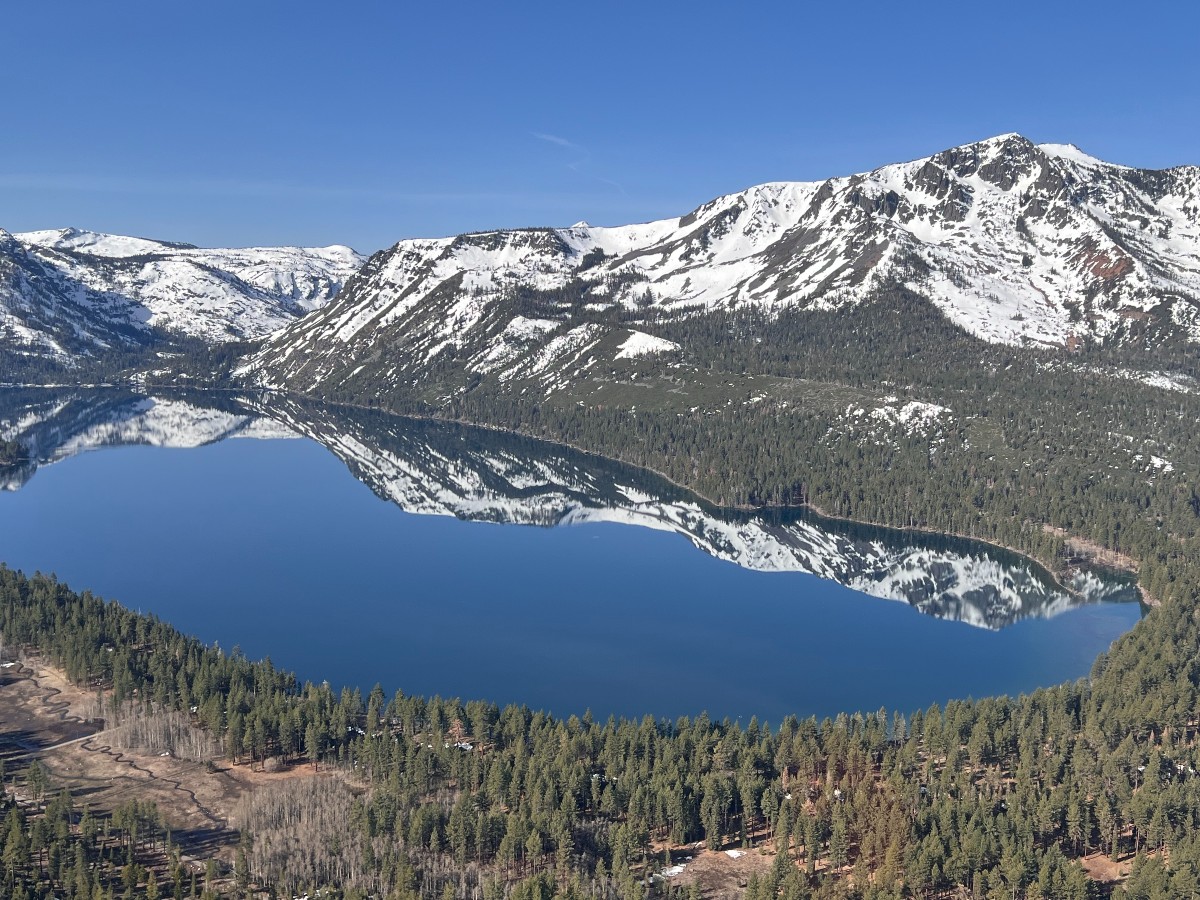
{"x": 1016, "y": 243}
{"x": 69, "y": 294}
{"x": 478, "y": 475}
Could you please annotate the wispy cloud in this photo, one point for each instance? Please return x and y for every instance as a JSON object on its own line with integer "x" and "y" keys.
{"x": 555, "y": 139}
{"x": 576, "y": 165}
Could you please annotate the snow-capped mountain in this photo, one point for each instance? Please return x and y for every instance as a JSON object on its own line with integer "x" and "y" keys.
{"x": 70, "y": 292}
{"x": 1015, "y": 242}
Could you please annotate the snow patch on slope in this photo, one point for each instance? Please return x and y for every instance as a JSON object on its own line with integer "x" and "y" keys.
{"x": 641, "y": 344}
{"x": 1074, "y": 154}
{"x": 97, "y": 243}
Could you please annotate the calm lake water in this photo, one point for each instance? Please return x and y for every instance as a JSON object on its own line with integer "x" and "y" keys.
{"x": 215, "y": 522}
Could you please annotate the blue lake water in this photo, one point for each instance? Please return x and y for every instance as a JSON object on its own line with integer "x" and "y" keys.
{"x": 275, "y": 546}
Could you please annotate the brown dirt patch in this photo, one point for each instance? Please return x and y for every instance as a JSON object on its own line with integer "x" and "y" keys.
{"x": 194, "y": 802}
{"x": 1093, "y": 551}
{"x": 715, "y": 872}
{"x": 1104, "y": 868}
{"x": 43, "y": 716}
{"x": 39, "y": 709}
{"x": 1109, "y": 268}
{"x": 80, "y": 704}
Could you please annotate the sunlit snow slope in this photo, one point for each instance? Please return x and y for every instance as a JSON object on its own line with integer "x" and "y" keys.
{"x": 70, "y": 292}
{"x": 1015, "y": 242}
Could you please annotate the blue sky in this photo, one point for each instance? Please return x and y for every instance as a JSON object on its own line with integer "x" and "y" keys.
{"x": 259, "y": 122}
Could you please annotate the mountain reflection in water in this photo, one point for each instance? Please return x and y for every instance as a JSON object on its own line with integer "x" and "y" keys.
{"x": 482, "y": 475}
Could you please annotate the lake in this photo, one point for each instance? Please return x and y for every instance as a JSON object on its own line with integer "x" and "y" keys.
{"x": 358, "y": 548}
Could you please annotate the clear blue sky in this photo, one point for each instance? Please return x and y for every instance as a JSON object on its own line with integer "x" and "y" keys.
{"x": 256, "y": 122}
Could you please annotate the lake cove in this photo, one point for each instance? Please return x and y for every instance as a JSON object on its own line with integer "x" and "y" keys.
{"x": 360, "y": 548}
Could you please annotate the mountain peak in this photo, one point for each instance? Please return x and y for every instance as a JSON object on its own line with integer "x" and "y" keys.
{"x": 995, "y": 147}
{"x": 992, "y": 147}
{"x": 1010, "y": 242}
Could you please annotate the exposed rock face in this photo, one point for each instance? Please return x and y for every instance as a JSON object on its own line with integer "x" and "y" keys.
{"x": 1015, "y": 242}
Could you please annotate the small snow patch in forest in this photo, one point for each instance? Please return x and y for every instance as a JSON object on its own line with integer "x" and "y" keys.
{"x": 1154, "y": 462}
{"x": 914, "y": 416}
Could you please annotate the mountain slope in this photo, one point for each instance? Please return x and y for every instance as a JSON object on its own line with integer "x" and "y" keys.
{"x": 67, "y": 293}
{"x": 1013, "y": 242}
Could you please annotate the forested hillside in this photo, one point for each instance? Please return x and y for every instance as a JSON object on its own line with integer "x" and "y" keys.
{"x": 999, "y": 796}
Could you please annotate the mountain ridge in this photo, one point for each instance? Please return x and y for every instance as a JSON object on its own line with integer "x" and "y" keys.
{"x": 1028, "y": 245}
{"x": 68, "y": 293}
{"x": 1015, "y": 243}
